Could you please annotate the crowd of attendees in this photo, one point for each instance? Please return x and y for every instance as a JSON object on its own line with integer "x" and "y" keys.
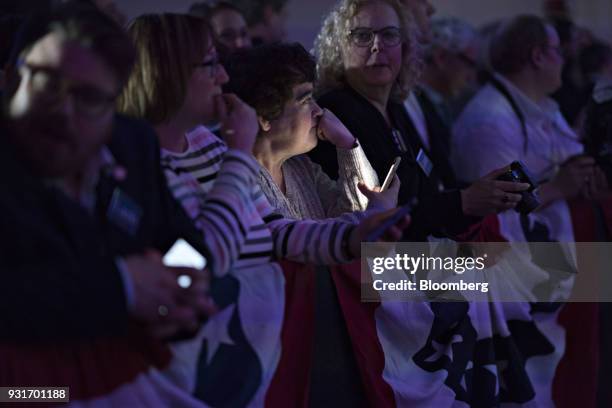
{"x": 120, "y": 137}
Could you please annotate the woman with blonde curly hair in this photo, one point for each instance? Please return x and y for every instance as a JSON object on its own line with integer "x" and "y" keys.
{"x": 367, "y": 63}
{"x": 337, "y": 35}
{"x": 368, "y": 60}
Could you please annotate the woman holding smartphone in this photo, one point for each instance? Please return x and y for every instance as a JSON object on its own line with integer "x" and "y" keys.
{"x": 367, "y": 63}
{"x": 291, "y": 123}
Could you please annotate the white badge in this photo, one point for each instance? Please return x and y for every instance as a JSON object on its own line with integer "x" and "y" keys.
{"x": 424, "y": 162}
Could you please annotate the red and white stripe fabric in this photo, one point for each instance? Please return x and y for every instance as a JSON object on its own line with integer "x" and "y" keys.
{"x": 116, "y": 371}
{"x": 577, "y": 377}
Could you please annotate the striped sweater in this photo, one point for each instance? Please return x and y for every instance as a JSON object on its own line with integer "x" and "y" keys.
{"x": 258, "y": 235}
{"x": 219, "y": 190}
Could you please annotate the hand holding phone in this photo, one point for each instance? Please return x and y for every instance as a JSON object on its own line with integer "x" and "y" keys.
{"x": 391, "y": 173}
{"x": 182, "y": 254}
{"x": 379, "y": 231}
{"x": 167, "y": 308}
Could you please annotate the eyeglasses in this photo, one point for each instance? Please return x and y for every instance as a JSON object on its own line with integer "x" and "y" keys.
{"x": 50, "y": 85}
{"x": 364, "y": 37}
{"x": 213, "y": 64}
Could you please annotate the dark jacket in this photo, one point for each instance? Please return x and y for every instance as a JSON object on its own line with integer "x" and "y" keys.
{"x": 437, "y": 212}
{"x": 439, "y": 139}
{"x": 59, "y": 276}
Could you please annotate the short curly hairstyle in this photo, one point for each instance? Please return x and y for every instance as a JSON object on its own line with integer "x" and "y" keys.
{"x": 333, "y": 40}
{"x": 264, "y": 76}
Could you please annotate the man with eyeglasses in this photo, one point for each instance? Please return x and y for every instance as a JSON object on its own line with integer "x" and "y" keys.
{"x": 85, "y": 215}
{"x": 513, "y": 118}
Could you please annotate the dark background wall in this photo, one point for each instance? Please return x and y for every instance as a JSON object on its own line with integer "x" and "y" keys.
{"x": 305, "y": 15}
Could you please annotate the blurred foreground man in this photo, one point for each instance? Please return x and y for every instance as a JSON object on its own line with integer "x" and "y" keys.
{"x": 86, "y": 215}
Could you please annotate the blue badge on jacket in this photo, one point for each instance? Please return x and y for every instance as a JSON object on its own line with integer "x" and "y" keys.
{"x": 424, "y": 162}
{"x": 124, "y": 212}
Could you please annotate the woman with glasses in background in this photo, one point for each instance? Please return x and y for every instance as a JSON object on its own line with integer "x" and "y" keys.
{"x": 368, "y": 60}
{"x": 228, "y": 25}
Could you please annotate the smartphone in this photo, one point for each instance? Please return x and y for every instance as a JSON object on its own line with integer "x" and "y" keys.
{"x": 184, "y": 255}
{"x": 380, "y": 230}
{"x": 391, "y": 173}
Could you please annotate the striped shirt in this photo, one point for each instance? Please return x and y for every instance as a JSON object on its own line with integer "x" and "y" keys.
{"x": 218, "y": 189}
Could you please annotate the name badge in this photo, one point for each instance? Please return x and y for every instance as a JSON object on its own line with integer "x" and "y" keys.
{"x": 124, "y": 212}
{"x": 424, "y": 162}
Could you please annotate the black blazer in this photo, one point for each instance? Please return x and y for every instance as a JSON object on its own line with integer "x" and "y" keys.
{"x": 437, "y": 212}
{"x": 57, "y": 261}
{"x": 439, "y": 139}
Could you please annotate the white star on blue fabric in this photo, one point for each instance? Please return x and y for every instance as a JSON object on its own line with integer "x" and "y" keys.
{"x": 216, "y": 331}
{"x": 469, "y": 366}
{"x": 443, "y": 350}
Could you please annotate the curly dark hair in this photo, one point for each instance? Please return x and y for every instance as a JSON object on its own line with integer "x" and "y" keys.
{"x": 332, "y": 44}
{"x": 264, "y": 76}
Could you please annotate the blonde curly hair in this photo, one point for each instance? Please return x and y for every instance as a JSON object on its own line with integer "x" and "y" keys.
{"x": 333, "y": 40}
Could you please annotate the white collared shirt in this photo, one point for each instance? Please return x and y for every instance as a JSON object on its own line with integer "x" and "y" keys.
{"x": 415, "y": 112}
{"x": 488, "y": 135}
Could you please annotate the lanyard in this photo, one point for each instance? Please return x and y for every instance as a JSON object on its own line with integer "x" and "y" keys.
{"x": 519, "y": 114}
